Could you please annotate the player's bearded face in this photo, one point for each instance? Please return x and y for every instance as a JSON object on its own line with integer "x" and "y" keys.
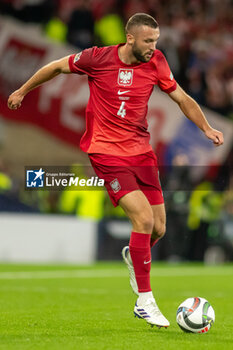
{"x": 143, "y": 40}
{"x": 141, "y": 55}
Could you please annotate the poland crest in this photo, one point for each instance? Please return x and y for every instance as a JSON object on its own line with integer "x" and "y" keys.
{"x": 125, "y": 77}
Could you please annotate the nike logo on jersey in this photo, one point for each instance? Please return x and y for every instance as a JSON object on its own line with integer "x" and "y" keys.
{"x": 147, "y": 262}
{"x": 122, "y": 92}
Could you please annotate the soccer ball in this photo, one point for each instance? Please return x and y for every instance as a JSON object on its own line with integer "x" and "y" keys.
{"x": 195, "y": 315}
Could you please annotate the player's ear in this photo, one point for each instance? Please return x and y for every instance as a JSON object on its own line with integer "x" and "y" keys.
{"x": 130, "y": 38}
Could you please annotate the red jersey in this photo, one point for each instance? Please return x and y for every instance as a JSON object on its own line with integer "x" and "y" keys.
{"x": 116, "y": 111}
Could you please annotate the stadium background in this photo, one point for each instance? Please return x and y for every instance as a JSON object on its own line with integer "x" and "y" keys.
{"x": 82, "y": 226}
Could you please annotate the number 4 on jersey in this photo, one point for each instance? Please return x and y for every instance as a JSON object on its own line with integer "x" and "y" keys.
{"x": 122, "y": 110}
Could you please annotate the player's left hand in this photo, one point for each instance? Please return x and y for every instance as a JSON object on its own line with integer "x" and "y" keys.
{"x": 215, "y": 135}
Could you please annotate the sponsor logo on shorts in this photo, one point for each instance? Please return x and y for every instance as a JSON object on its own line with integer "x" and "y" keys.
{"x": 125, "y": 77}
{"x": 115, "y": 185}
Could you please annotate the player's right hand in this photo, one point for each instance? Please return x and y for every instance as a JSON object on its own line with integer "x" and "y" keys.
{"x": 15, "y": 100}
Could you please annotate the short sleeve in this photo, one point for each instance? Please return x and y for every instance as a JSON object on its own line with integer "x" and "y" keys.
{"x": 82, "y": 62}
{"x": 166, "y": 81}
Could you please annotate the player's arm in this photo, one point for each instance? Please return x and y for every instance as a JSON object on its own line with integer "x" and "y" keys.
{"x": 192, "y": 111}
{"x": 44, "y": 74}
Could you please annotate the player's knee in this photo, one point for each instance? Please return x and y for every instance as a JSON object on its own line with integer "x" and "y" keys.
{"x": 145, "y": 222}
{"x": 160, "y": 229}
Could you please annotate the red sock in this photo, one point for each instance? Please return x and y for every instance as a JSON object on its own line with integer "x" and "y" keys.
{"x": 153, "y": 242}
{"x": 139, "y": 247}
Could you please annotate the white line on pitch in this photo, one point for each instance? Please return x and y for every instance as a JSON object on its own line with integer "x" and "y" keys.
{"x": 108, "y": 273}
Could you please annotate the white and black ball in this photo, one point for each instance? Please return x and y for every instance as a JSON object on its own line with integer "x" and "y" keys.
{"x": 195, "y": 315}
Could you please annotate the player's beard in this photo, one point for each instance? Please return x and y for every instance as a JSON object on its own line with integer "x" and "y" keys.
{"x": 138, "y": 54}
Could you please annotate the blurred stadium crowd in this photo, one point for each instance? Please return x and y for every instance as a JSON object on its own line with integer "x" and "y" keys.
{"x": 196, "y": 37}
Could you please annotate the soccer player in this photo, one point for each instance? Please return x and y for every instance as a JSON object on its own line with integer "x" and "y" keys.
{"x": 121, "y": 79}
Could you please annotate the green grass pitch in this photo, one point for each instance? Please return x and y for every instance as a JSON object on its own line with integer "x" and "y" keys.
{"x": 79, "y": 307}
